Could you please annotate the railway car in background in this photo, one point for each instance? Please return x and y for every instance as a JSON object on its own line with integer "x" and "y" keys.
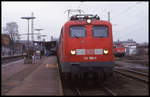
{"x": 119, "y": 50}
{"x": 85, "y": 47}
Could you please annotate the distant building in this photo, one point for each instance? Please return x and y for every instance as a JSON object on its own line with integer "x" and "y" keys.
{"x": 5, "y": 43}
{"x": 127, "y": 43}
{"x": 142, "y": 48}
{"x": 5, "y": 40}
{"x": 20, "y": 47}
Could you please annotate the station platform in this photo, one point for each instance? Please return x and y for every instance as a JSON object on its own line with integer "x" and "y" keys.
{"x": 44, "y": 80}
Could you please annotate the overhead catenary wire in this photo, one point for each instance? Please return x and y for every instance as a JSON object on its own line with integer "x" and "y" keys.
{"x": 126, "y": 10}
{"x": 80, "y": 5}
{"x": 123, "y": 13}
{"x": 130, "y": 32}
{"x": 132, "y": 25}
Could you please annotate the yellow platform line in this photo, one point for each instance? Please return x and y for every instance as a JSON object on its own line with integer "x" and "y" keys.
{"x": 46, "y": 65}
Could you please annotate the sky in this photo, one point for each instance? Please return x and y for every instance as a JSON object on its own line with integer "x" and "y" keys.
{"x": 129, "y": 19}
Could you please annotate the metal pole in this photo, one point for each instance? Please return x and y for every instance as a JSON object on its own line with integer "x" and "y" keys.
{"x": 109, "y": 16}
{"x": 32, "y": 29}
{"x": 68, "y": 13}
{"x": 28, "y": 18}
{"x": 79, "y": 11}
{"x": 38, "y": 35}
{"x": 28, "y": 33}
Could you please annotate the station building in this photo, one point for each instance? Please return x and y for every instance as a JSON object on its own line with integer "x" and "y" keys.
{"x": 6, "y": 45}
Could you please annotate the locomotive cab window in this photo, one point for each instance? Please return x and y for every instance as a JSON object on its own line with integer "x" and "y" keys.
{"x": 77, "y": 31}
{"x": 100, "y": 31}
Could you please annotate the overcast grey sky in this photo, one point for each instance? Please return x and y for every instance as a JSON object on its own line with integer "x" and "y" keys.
{"x": 129, "y": 19}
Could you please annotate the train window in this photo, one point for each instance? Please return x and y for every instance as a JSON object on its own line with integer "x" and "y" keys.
{"x": 77, "y": 31}
{"x": 100, "y": 31}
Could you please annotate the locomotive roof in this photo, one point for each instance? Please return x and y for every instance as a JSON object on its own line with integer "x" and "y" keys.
{"x": 84, "y": 21}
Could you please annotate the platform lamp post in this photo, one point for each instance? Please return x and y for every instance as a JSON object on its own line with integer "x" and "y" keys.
{"x": 38, "y": 34}
{"x": 114, "y": 25}
{"x": 44, "y": 43}
{"x": 28, "y": 18}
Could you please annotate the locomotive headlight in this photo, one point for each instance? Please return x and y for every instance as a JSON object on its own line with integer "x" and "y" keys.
{"x": 105, "y": 51}
{"x": 73, "y": 52}
{"x": 88, "y": 20}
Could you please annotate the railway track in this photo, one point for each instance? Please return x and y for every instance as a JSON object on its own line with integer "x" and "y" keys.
{"x": 7, "y": 59}
{"x": 133, "y": 74}
{"x": 102, "y": 90}
{"x": 109, "y": 91}
{"x": 82, "y": 88}
{"x": 78, "y": 89}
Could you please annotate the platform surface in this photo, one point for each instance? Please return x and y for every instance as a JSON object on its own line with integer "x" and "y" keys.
{"x": 42, "y": 81}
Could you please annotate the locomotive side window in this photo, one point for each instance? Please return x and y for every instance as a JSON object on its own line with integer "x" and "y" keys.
{"x": 77, "y": 31}
{"x": 100, "y": 31}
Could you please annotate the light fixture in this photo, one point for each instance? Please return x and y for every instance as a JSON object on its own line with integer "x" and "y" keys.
{"x": 73, "y": 52}
{"x": 89, "y": 21}
{"x": 105, "y": 51}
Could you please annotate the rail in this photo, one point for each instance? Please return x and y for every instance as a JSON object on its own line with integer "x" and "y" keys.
{"x": 6, "y": 59}
{"x": 109, "y": 91}
{"x": 104, "y": 88}
{"x": 133, "y": 74}
{"x": 76, "y": 91}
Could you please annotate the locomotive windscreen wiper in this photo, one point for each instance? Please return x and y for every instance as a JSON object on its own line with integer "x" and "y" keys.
{"x": 75, "y": 36}
{"x": 101, "y": 36}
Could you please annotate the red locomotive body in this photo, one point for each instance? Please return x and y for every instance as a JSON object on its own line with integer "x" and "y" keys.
{"x": 119, "y": 50}
{"x": 86, "y": 45}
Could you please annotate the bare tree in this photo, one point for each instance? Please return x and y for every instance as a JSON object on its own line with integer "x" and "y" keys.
{"x": 12, "y": 30}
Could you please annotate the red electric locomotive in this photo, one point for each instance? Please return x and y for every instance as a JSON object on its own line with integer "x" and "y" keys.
{"x": 85, "y": 47}
{"x": 119, "y": 50}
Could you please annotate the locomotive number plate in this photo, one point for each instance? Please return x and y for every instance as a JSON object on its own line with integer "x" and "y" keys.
{"x": 90, "y": 58}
